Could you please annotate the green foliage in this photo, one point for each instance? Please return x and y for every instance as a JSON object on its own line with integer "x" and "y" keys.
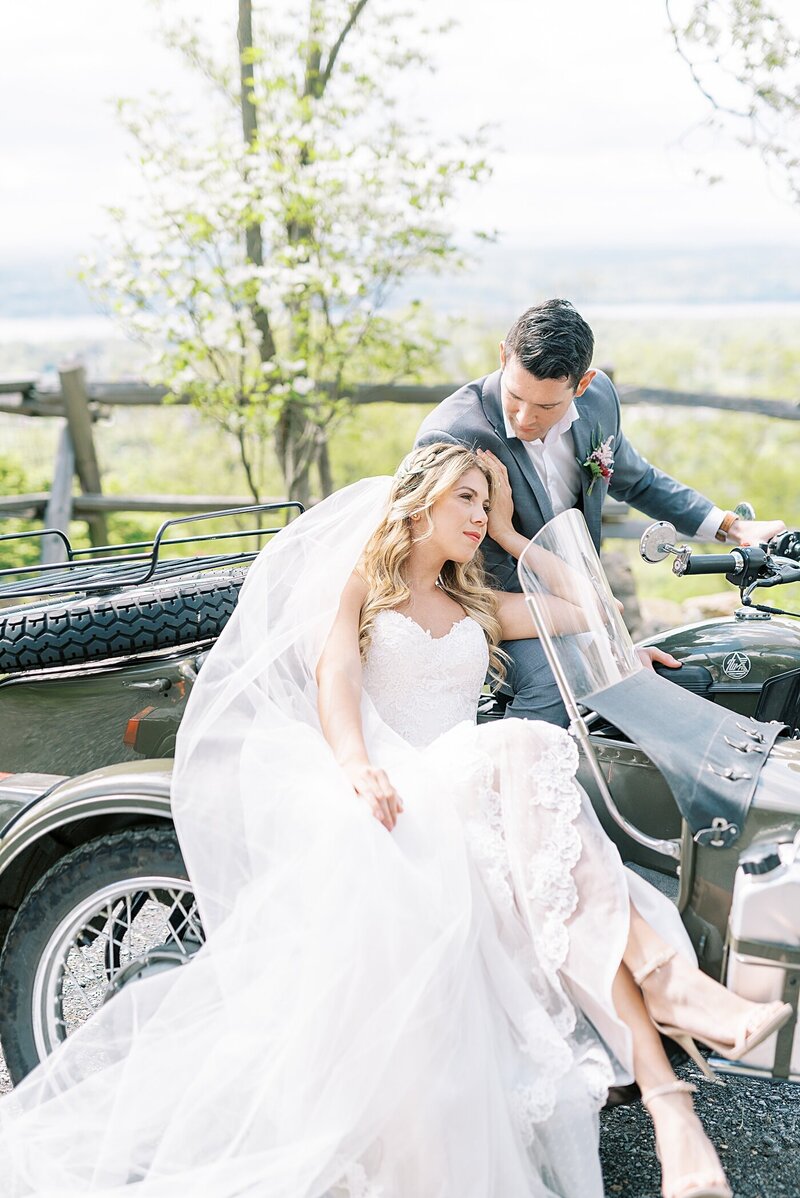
{"x": 728, "y": 456}
{"x": 12, "y": 477}
{"x": 755, "y": 357}
{"x": 13, "y": 481}
{"x": 257, "y": 268}
{"x": 743, "y": 55}
{"x": 374, "y": 439}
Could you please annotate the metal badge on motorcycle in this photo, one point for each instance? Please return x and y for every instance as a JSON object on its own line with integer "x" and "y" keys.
{"x": 736, "y": 665}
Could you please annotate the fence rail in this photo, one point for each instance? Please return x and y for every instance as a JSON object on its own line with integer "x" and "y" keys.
{"x": 34, "y": 505}
{"x": 22, "y": 398}
{"x": 79, "y": 403}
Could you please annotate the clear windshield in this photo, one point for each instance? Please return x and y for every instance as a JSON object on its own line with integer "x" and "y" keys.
{"x": 573, "y": 608}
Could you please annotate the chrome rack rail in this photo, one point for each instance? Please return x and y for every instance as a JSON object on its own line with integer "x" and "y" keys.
{"x": 106, "y": 567}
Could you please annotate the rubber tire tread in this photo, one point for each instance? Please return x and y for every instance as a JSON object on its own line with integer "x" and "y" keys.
{"x": 156, "y": 617}
{"x": 89, "y": 867}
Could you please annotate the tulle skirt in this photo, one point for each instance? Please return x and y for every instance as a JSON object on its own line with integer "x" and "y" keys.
{"x": 418, "y": 1014}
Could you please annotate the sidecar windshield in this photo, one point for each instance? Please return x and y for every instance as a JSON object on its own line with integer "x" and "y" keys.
{"x": 574, "y": 611}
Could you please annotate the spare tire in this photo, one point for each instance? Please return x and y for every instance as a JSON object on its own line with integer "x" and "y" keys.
{"x": 156, "y": 616}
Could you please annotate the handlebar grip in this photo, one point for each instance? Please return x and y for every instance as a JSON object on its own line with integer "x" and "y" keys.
{"x": 713, "y": 563}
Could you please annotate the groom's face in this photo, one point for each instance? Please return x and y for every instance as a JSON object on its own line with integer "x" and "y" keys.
{"x": 532, "y": 406}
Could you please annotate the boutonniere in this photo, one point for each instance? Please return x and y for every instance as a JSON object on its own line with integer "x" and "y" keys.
{"x": 600, "y": 462}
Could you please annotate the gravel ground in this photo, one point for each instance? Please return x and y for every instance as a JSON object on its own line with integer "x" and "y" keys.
{"x": 755, "y": 1126}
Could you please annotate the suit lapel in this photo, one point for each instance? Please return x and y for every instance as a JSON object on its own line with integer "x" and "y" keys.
{"x": 582, "y": 431}
{"x": 493, "y": 410}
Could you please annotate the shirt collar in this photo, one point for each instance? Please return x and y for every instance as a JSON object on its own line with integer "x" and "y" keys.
{"x": 564, "y": 425}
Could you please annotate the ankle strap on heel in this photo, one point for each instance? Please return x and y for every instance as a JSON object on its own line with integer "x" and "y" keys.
{"x": 662, "y": 958}
{"x": 675, "y": 1087}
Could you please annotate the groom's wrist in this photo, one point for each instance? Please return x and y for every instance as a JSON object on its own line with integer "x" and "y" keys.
{"x": 727, "y": 528}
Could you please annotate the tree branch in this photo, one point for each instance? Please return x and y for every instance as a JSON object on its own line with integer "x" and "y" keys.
{"x": 245, "y": 460}
{"x": 355, "y": 12}
{"x": 254, "y": 246}
{"x": 313, "y": 52}
{"x": 715, "y": 104}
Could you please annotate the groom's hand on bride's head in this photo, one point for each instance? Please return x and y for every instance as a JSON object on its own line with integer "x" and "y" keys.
{"x": 502, "y": 509}
{"x": 373, "y": 786}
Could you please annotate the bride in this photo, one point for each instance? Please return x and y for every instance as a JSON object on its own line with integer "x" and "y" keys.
{"x": 425, "y": 963}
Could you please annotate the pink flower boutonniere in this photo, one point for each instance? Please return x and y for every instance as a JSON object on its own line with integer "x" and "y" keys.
{"x": 600, "y": 462}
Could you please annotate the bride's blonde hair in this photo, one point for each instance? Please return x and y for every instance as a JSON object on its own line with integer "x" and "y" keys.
{"x": 424, "y": 475}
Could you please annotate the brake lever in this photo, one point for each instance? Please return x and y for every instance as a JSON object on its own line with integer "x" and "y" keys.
{"x": 783, "y": 570}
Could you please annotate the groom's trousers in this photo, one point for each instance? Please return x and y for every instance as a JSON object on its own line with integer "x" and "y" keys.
{"x": 531, "y": 682}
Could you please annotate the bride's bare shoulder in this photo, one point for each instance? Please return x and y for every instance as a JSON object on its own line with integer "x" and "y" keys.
{"x": 354, "y": 593}
{"x": 342, "y": 643}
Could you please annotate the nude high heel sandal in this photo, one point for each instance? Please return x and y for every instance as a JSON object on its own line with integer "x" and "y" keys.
{"x": 754, "y": 1026}
{"x": 693, "y": 1185}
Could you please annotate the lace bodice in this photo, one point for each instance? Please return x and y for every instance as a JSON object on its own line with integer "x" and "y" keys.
{"x": 423, "y": 685}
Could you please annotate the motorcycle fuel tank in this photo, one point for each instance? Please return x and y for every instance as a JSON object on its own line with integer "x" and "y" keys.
{"x": 733, "y": 657}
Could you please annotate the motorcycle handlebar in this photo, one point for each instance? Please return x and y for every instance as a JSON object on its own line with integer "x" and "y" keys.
{"x": 713, "y": 563}
{"x": 787, "y": 544}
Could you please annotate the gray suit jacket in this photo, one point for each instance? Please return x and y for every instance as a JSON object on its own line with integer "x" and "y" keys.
{"x": 473, "y": 415}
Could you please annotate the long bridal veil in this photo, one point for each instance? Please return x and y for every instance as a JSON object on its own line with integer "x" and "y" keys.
{"x": 364, "y": 1019}
{"x": 252, "y": 722}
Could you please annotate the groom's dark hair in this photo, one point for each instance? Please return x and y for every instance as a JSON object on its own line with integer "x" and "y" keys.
{"x": 552, "y": 341}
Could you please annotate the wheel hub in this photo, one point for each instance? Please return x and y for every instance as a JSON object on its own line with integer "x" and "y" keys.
{"x": 128, "y": 930}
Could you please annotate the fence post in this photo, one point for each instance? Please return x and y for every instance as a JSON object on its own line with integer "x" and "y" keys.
{"x": 58, "y": 511}
{"x": 79, "y": 421}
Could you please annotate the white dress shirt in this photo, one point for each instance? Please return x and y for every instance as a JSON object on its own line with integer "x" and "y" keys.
{"x": 554, "y": 460}
{"x": 708, "y": 529}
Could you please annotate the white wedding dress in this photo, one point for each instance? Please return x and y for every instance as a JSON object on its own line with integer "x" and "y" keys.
{"x": 418, "y": 1014}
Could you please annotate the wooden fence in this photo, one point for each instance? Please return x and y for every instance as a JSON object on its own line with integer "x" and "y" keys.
{"x": 78, "y": 403}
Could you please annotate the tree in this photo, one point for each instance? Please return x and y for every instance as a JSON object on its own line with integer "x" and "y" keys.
{"x": 745, "y": 59}
{"x": 259, "y": 258}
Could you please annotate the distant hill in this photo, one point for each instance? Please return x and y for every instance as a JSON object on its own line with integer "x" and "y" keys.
{"x": 513, "y": 276}
{"x": 507, "y": 276}
{"x": 48, "y": 287}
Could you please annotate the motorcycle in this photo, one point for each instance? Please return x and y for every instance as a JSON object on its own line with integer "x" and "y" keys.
{"x": 702, "y": 797}
{"x": 98, "y": 656}
{"x": 698, "y": 790}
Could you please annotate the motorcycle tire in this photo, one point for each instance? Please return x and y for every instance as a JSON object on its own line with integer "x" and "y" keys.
{"x": 157, "y": 616}
{"x": 110, "y": 874}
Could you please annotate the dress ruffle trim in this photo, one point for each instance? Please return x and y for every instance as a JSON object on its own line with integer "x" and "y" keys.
{"x": 549, "y": 900}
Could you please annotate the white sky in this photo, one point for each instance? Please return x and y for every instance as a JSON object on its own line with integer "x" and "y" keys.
{"x": 591, "y": 104}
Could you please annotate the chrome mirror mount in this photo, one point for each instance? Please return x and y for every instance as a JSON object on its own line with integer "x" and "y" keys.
{"x": 658, "y": 541}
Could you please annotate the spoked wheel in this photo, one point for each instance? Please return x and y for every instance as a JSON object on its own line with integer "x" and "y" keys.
{"x": 106, "y": 915}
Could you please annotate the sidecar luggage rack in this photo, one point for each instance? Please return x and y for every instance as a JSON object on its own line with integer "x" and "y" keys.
{"x": 108, "y": 567}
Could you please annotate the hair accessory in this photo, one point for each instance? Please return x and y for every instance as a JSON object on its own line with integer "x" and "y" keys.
{"x": 407, "y": 470}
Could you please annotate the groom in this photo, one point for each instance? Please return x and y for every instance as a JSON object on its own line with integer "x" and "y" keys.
{"x": 554, "y": 424}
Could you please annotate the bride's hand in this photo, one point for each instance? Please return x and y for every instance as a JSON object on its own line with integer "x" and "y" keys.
{"x": 373, "y": 786}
